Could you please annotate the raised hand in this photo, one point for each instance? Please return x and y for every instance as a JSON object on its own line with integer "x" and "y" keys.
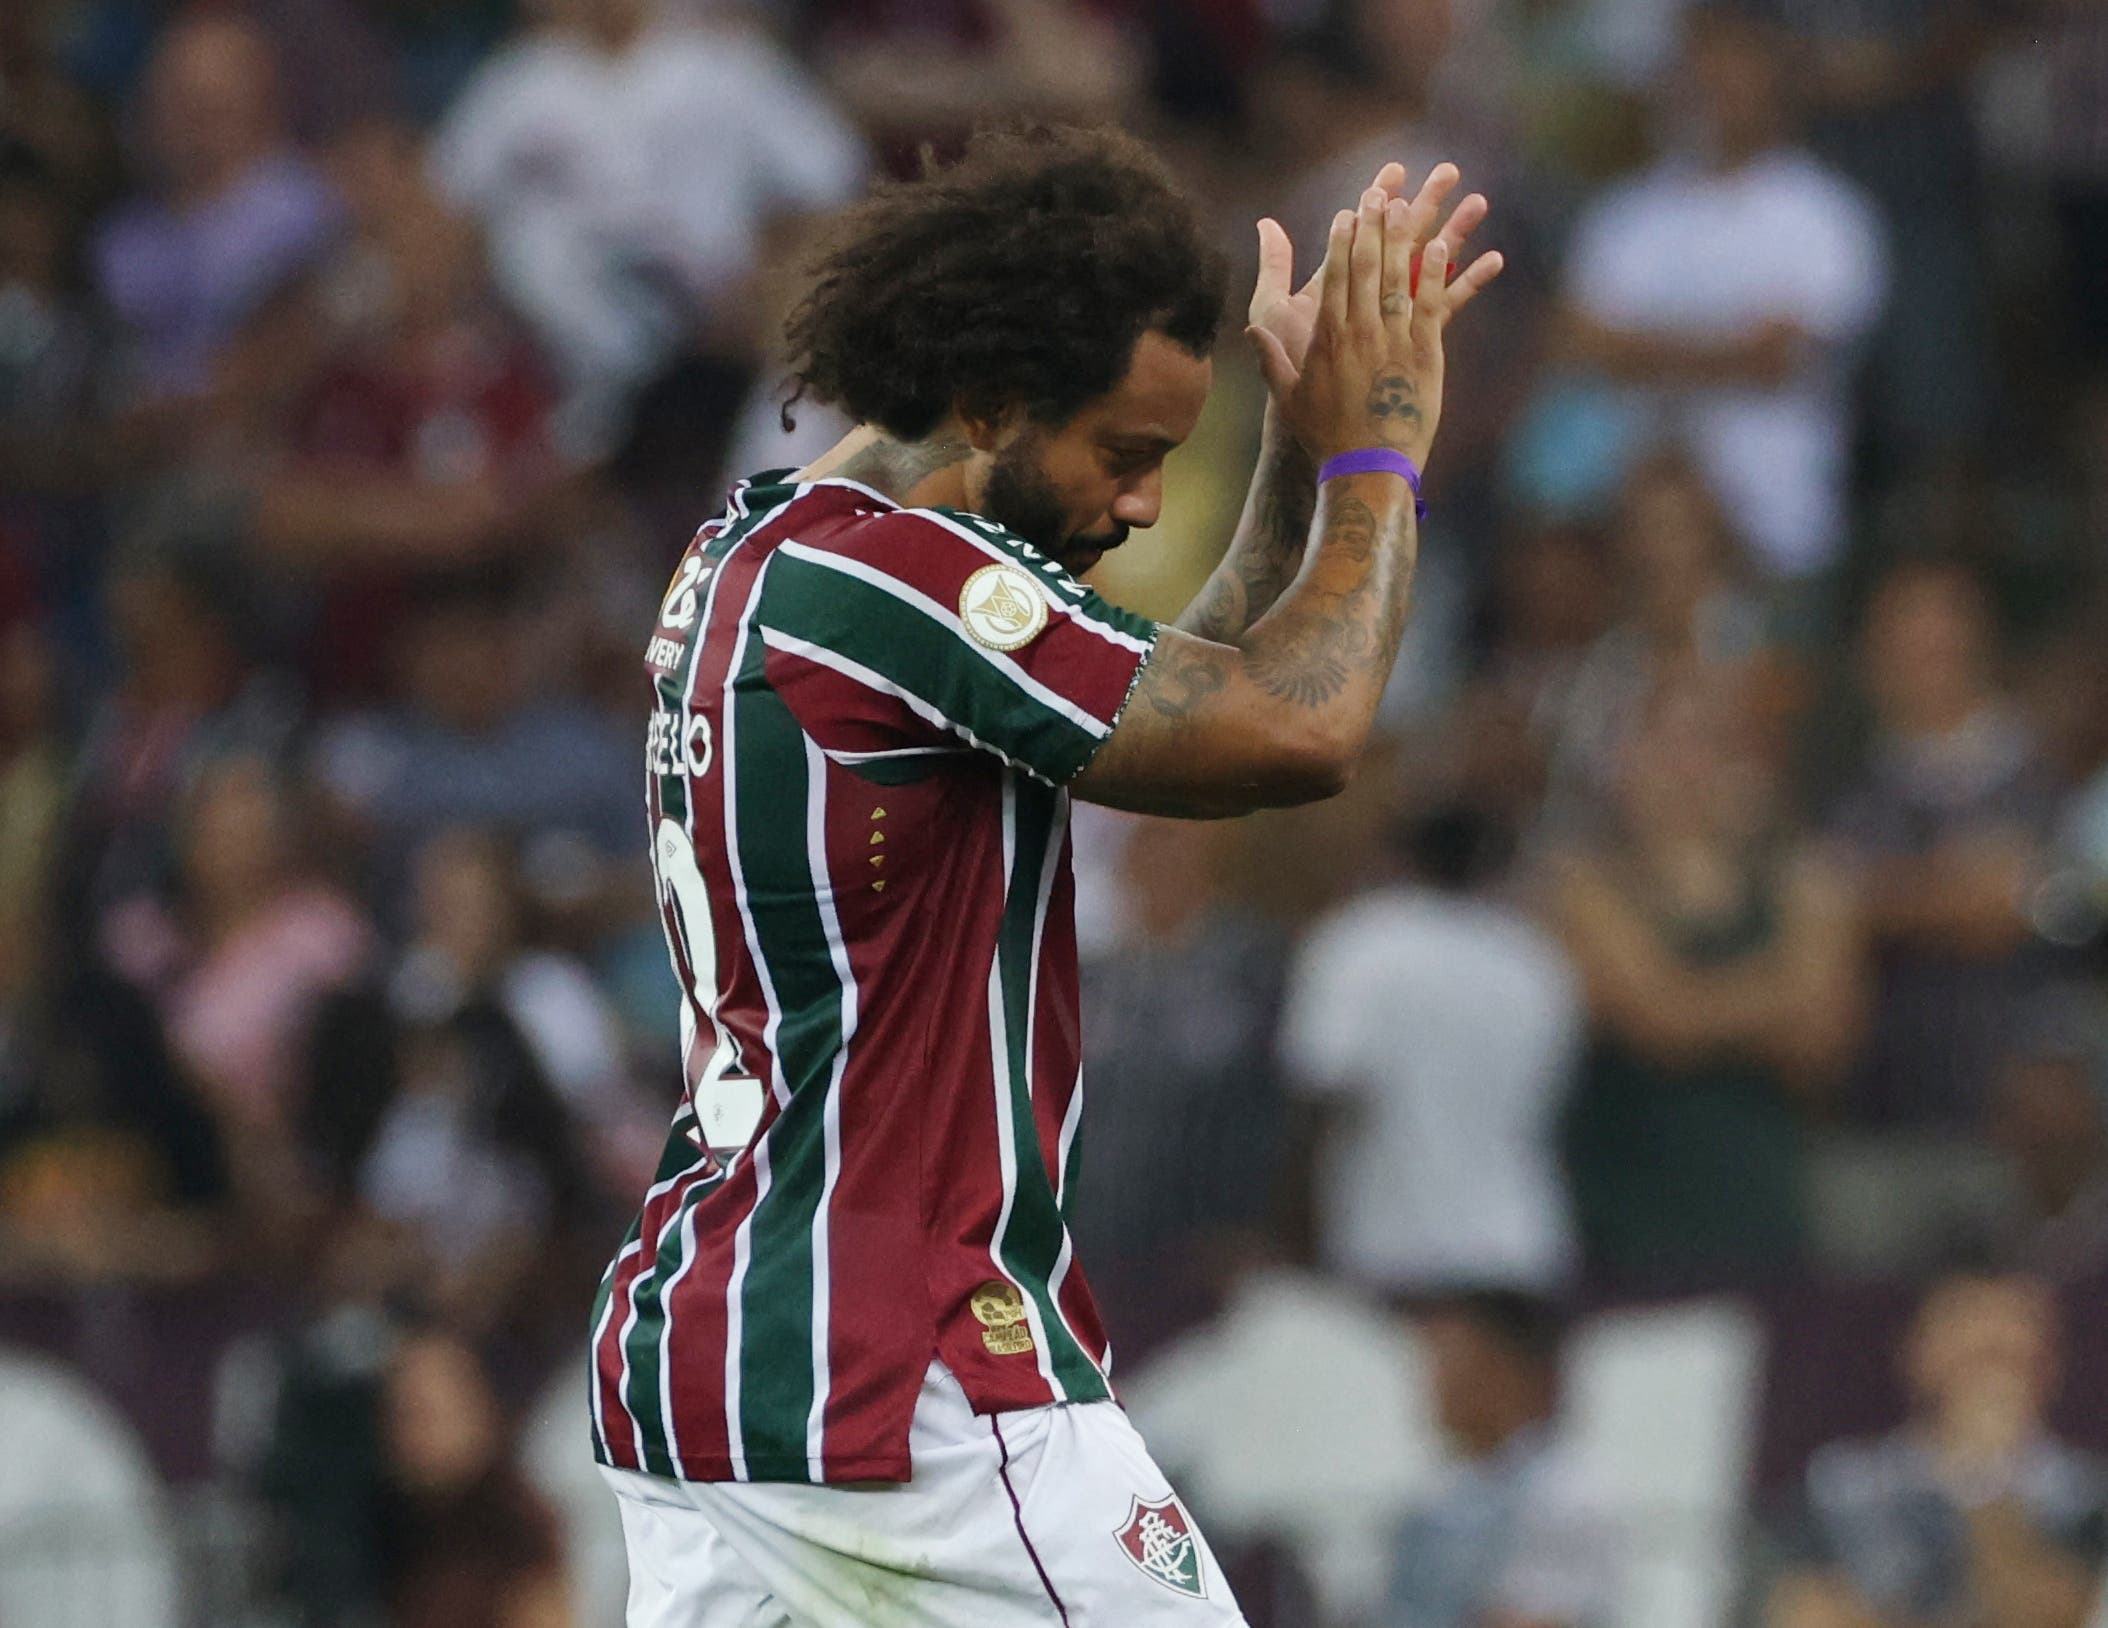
{"x": 1372, "y": 375}
{"x": 1280, "y": 321}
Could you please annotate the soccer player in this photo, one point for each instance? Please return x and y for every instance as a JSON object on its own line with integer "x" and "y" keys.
{"x": 846, "y": 1370}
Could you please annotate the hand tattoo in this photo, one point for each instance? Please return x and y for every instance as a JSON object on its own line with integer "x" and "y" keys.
{"x": 1391, "y": 409}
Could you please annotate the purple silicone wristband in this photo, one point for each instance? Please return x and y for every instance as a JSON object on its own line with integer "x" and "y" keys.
{"x": 1377, "y": 461}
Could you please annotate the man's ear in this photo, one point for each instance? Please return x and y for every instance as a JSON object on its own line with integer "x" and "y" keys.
{"x": 985, "y": 427}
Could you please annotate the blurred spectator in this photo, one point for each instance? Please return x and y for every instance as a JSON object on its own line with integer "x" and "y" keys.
{"x": 464, "y": 1541}
{"x": 1887, "y": 84}
{"x": 407, "y": 419}
{"x": 1718, "y": 297}
{"x": 183, "y": 688}
{"x": 480, "y": 736}
{"x": 1550, "y": 601}
{"x": 1945, "y": 825}
{"x": 627, "y": 164}
{"x": 1723, "y": 977}
{"x": 1517, "y": 1535}
{"x": 110, "y": 1166}
{"x": 255, "y": 942}
{"x": 233, "y": 215}
{"x": 390, "y": 1473}
{"x": 470, "y": 945}
{"x": 1688, "y": 609}
{"x": 2049, "y": 1116}
{"x": 460, "y": 1166}
{"x": 1972, "y": 1512}
{"x": 1179, "y": 1062}
{"x": 1433, "y": 1033}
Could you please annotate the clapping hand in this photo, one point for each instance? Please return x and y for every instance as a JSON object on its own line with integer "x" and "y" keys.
{"x": 1282, "y": 319}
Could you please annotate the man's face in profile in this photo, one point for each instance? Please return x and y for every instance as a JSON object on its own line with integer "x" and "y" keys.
{"x": 1075, "y": 490}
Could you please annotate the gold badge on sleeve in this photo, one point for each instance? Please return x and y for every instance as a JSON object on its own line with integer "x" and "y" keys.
{"x": 1002, "y": 607}
{"x": 1000, "y": 1310}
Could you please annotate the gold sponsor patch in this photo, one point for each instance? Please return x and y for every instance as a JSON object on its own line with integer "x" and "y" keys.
{"x": 1002, "y": 607}
{"x": 1000, "y": 1310}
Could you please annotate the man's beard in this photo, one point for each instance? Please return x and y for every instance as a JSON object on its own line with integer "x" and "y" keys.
{"x": 1022, "y": 499}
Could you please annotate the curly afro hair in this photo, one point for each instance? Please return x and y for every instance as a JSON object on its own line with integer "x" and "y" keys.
{"x": 1020, "y": 276}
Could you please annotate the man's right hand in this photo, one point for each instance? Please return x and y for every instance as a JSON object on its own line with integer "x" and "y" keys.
{"x": 1372, "y": 372}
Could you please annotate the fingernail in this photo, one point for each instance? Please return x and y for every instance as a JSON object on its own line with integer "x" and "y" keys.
{"x": 1394, "y": 212}
{"x": 1344, "y": 218}
{"x": 1372, "y": 199}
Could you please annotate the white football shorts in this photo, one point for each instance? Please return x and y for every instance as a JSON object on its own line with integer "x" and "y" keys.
{"x": 1052, "y": 1516}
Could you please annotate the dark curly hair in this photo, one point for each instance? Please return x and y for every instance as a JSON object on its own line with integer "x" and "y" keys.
{"x": 1021, "y": 275}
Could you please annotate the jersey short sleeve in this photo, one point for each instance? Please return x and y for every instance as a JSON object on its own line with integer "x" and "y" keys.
{"x": 979, "y": 637}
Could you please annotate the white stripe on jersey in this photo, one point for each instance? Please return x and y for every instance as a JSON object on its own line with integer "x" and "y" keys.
{"x": 600, "y": 1329}
{"x": 838, "y": 952}
{"x": 1097, "y": 728}
{"x": 728, "y": 757}
{"x": 820, "y": 656}
{"x": 695, "y": 1171}
{"x": 1075, "y": 613}
{"x": 850, "y": 760}
{"x": 854, "y": 486}
{"x": 1005, "y": 1117}
{"x": 735, "y": 1313}
{"x": 685, "y": 1217}
{"x": 1070, "y": 1121}
{"x": 743, "y": 1236}
{"x": 1049, "y": 868}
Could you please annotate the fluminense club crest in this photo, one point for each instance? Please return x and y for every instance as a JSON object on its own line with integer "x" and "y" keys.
{"x": 1159, "y": 1539}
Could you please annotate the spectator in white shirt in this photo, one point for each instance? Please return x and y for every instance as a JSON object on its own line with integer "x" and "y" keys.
{"x": 1720, "y": 295}
{"x": 1434, "y": 1032}
{"x": 626, "y": 165}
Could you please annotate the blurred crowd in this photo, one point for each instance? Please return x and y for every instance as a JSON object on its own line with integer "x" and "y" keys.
{"x": 1724, "y": 910}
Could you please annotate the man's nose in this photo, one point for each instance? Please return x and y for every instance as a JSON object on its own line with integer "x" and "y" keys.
{"x": 1141, "y": 501}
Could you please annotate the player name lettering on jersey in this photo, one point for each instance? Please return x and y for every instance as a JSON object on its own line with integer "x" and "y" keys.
{"x": 674, "y": 745}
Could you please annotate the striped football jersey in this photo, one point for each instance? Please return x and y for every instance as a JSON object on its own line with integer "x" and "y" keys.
{"x": 863, "y": 718}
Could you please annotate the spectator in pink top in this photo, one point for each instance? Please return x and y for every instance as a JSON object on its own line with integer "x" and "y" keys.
{"x": 238, "y": 973}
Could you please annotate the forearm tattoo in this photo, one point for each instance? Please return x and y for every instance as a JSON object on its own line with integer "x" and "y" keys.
{"x": 1348, "y": 616}
{"x": 1264, "y": 555}
{"x": 1182, "y": 676}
